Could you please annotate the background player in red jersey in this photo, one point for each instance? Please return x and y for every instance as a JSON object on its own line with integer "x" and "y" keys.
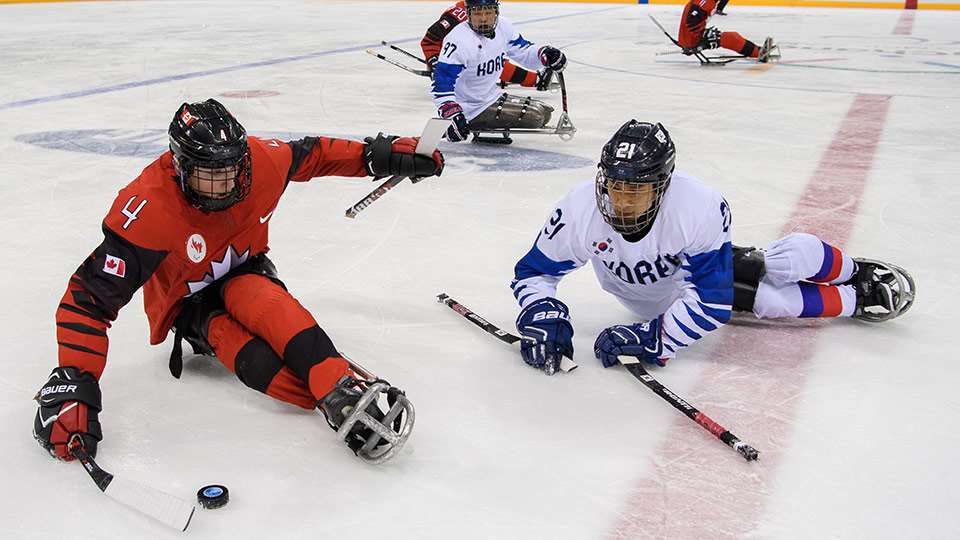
{"x": 696, "y": 36}
{"x": 512, "y": 74}
{"x": 191, "y": 230}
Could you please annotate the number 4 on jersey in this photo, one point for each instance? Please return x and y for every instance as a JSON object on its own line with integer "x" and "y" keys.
{"x": 132, "y": 215}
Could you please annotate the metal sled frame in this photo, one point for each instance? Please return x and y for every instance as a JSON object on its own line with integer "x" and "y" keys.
{"x": 564, "y": 128}
{"x": 704, "y": 59}
{"x": 907, "y": 291}
{"x": 372, "y": 451}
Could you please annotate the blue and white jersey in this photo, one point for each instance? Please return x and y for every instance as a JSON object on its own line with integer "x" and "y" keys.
{"x": 682, "y": 269}
{"x": 469, "y": 65}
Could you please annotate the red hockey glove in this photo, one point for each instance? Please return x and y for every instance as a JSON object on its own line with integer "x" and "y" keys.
{"x": 69, "y": 404}
{"x": 395, "y": 156}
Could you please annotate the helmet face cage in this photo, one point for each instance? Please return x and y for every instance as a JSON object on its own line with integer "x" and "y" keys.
{"x": 483, "y": 6}
{"x": 610, "y": 189}
{"x": 210, "y": 148}
{"x": 209, "y": 176}
{"x": 634, "y": 173}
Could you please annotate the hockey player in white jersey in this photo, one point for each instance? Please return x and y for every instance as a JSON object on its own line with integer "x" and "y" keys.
{"x": 466, "y": 74}
{"x": 659, "y": 241}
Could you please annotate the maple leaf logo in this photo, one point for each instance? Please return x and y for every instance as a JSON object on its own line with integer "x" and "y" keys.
{"x": 111, "y": 264}
{"x": 197, "y": 245}
{"x": 231, "y": 259}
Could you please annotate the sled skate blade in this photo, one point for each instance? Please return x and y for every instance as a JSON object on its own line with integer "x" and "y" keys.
{"x": 564, "y": 129}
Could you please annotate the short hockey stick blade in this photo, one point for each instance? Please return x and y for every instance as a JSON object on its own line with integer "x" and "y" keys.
{"x": 566, "y": 365}
{"x": 429, "y": 139}
{"x": 161, "y": 506}
{"x": 432, "y": 134}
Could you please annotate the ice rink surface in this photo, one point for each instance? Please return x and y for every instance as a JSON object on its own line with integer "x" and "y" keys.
{"x": 853, "y": 136}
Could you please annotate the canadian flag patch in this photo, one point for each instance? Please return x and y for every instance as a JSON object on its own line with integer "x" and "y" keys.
{"x": 115, "y": 266}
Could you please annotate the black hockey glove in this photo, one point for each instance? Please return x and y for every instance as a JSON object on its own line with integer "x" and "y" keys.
{"x": 553, "y": 58}
{"x": 388, "y": 155}
{"x": 546, "y": 334}
{"x": 431, "y": 63}
{"x": 69, "y": 404}
{"x": 544, "y": 78}
{"x": 643, "y": 340}
{"x": 710, "y": 39}
{"x": 458, "y": 130}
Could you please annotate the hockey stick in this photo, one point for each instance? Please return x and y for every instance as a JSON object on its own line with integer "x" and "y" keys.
{"x": 563, "y": 91}
{"x": 161, "y": 506}
{"x": 704, "y": 59}
{"x": 380, "y": 191}
{"x": 664, "y": 30}
{"x": 403, "y": 51}
{"x": 636, "y": 369}
{"x": 420, "y": 72}
{"x": 429, "y": 139}
{"x": 566, "y": 364}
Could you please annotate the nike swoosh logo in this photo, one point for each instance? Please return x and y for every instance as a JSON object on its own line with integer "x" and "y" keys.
{"x": 264, "y": 219}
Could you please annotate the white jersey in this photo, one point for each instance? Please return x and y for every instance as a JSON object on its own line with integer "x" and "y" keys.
{"x": 469, "y": 65}
{"x": 682, "y": 269}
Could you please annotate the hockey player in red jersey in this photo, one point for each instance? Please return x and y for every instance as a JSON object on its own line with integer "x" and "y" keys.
{"x": 512, "y": 74}
{"x": 696, "y": 36}
{"x": 192, "y": 231}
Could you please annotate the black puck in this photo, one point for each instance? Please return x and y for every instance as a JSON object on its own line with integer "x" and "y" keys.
{"x": 213, "y": 496}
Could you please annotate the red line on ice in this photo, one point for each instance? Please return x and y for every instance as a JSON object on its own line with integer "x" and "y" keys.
{"x": 904, "y": 25}
{"x": 697, "y": 487}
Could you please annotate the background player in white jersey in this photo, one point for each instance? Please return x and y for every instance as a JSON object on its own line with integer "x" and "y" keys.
{"x": 466, "y": 74}
{"x": 659, "y": 241}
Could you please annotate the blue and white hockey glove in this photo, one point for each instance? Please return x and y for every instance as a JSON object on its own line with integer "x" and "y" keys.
{"x": 458, "y": 130}
{"x": 641, "y": 340}
{"x": 553, "y": 58}
{"x": 547, "y": 335}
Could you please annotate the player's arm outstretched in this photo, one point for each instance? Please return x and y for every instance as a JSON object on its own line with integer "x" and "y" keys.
{"x": 705, "y": 302}
{"x": 544, "y": 321}
{"x": 69, "y": 402}
{"x": 383, "y": 155}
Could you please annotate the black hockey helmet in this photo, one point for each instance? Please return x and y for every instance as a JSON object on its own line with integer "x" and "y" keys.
{"x": 635, "y": 169}
{"x": 486, "y": 30}
{"x": 210, "y": 144}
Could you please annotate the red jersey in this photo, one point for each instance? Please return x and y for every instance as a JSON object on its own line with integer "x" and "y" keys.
{"x": 457, "y": 14}
{"x": 694, "y": 21}
{"x": 155, "y": 239}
